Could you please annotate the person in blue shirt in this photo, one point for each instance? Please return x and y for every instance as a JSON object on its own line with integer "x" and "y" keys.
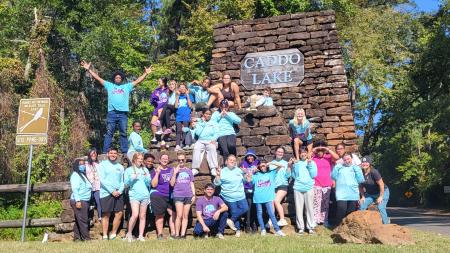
{"x": 205, "y": 131}
{"x": 79, "y": 200}
{"x": 137, "y": 179}
{"x": 300, "y": 130}
{"x": 231, "y": 181}
{"x": 264, "y": 194}
{"x": 347, "y": 178}
{"x": 135, "y": 141}
{"x": 183, "y": 103}
{"x": 255, "y": 101}
{"x": 281, "y": 182}
{"x": 118, "y": 100}
{"x": 111, "y": 192}
{"x": 227, "y": 134}
{"x": 201, "y": 93}
{"x": 168, "y": 110}
{"x": 303, "y": 172}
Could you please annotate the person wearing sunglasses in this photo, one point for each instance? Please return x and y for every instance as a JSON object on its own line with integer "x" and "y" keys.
{"x": 182, "y": 181}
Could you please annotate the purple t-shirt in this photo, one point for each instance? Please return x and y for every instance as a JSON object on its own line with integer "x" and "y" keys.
{"x": 248, "y": 186}
{"x": 163, "y": 187}
{"x": 182, "y": 188}
{"x": 159, "y": 98}
{"x": 208, "y": 206}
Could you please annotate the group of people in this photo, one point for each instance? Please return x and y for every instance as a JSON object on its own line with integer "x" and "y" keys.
{"x": 315, "y": 173}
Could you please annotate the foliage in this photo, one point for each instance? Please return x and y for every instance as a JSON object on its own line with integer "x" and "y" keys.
{"x": 45, "y": 209}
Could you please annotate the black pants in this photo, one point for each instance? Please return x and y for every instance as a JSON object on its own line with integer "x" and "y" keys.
{"x": 343, "y": 208}
{"x": 180, "y": 134}
{"x": 167, "y": 111}
{"x": 81, "y": 226}
{"x": 227, "y": 144}
{"x": 250, "y": 216}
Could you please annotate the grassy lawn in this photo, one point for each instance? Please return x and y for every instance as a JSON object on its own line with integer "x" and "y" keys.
{"x": 425, "y": 242}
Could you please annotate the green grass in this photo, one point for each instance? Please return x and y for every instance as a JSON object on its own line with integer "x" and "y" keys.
{"x": 425, "y": 242}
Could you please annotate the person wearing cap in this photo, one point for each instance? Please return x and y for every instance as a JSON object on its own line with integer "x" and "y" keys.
{"x": 249, "y": 166}
{"x": 118, "y": 104}
{"x": 211, "y": 214}
{"x": 226, "y": 121}
{"x": 347, "y": 177}
{"x": 325, "y": 159}
{"x": 303, "y": 172}
{"x": 375, "y": 191}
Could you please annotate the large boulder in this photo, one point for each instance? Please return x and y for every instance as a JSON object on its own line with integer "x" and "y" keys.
{"x": 367, "y": 227}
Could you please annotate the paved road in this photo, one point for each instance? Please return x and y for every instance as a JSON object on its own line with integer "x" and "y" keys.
{"x": 421, "y": 219}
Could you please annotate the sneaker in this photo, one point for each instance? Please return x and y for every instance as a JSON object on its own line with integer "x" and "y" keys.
{"x": 220, "y": 236}
{"x": 141, "y": 239}
{"x": 178, "y": 148}
{"x": 300, "y": 232}
{"x": 159, "y": 132}
{"x": 192, "y": 146}
{"x": 167, "y": 131}
{"x": 238, "y": 234}
{"x": 128, "y": 238}
{"x": 182, "y": 237}
{"x": 173, "y": 237}
{"x": 154, "y": 140}
{"x": 195, "y": 172}
{"x": 263, "y": 232}
{"x": 230, "y": 224}
{"x": 186, "y": 147}
{"x": 112, "y": 236}
{"x": 311, "y": 231}
{"x": 105, "y": 237}
{"x": 280, "y": 233}
{"x": 160, "y": 237}
{"x": 213, "y": 172}
{"x": 282, "y": 223}
{"x": 206, "y": 236}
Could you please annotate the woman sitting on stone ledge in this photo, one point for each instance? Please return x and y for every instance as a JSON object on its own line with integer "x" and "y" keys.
{"x": 225, "y": 89}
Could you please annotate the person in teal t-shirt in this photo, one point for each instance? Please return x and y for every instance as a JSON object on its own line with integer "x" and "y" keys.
{"x": 281, "y": 182}
{"x": 264, "y": 193}
{"x": 135, "y": 141}
{"x": 79, "y": 200}
{"x": 137, "y": 179}
{"x": 300, "y": 130}
{"x": 118, "y": 100}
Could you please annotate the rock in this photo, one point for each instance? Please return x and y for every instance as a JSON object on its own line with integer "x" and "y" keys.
{"x": 67, "y": 215}
{"x": 252, "y": 140}
{"x": 277, "y": 140}
{"x": 275, "y": 121}
{"x": 264, "y": 112}
{"x": 66, "y": 204}
{"x": 64, "y": 227}
{"x": 57, "y": 237}
{"x": 366, "y": 227}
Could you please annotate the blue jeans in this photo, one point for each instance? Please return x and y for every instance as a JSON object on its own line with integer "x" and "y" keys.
{"x": 381, "y": 208}
{"x": 259, "y": 214}
{"x": 114, "y": 118}
{"x": 215, "y": 226}
{"x": 237, "y": 209}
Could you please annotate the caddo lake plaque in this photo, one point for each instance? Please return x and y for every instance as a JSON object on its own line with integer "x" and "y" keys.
{"x": 276, "y": 69}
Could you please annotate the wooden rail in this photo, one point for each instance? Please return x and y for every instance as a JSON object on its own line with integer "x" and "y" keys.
{"x": 46, "y": 187}
{"x": 46, "y": 222}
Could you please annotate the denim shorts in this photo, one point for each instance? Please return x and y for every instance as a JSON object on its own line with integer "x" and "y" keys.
{"x": 144, "y": 202}
{"x": 184, "y": 200}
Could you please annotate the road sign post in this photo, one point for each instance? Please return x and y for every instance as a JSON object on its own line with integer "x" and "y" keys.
{"x": 32, "y": 127}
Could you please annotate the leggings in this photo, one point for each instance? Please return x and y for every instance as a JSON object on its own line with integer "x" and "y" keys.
{"x": 180, "y": 134}
{"x": 167, "y": 111}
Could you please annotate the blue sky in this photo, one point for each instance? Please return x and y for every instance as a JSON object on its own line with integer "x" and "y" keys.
{"x": 427, "y": 5}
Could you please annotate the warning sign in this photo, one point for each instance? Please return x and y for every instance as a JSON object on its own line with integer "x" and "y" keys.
{"x": 33, "y": 116}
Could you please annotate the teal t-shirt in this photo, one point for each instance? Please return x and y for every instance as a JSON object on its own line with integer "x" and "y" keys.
{"x": 232, "y": 184}
{"x": 201, "y": 95}
{"x": 282, "y": 178}
{"x": 300, "y": 130}
{"x": 264, "y": 186}
{"x": 118, "y": 96}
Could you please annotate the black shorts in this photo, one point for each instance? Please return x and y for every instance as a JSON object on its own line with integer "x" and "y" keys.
{"x": 160, "y": 204}
{"x": 184, "y": 200}
{"x": 112, "y": 204}
{"x": 282, "y": 187}
{"x": 304, "y": 143}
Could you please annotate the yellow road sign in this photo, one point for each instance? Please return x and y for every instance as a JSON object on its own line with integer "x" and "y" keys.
{"x": 33, "y": 116}
{"x": 31, "y": 139}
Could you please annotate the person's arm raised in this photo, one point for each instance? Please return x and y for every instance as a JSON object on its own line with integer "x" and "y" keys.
{"x": 147, "y": 71}
{"x": 87, "y": 66}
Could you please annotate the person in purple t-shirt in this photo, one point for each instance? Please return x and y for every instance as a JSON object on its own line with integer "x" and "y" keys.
{"x": 159, "y": 99}
{"x": 250, "y": 166}
{"x": 160, "y": 197}
{"x": 211, "y": 214}
{"x": 182, "y": 181}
